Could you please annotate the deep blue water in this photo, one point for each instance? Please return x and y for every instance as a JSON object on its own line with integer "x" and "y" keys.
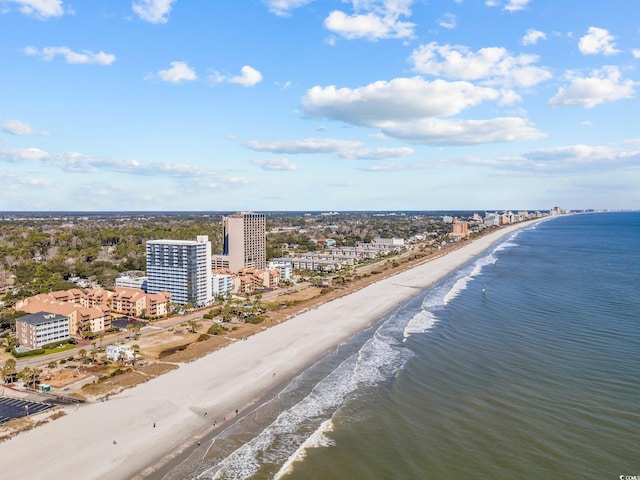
{"x": 523, "y": 364}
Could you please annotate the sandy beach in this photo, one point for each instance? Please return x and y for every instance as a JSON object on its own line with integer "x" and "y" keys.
{"x": 138, "y": 430}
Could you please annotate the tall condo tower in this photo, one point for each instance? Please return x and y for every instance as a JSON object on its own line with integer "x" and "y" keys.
{"x": 245, "y": 240}
{"x": 182, "y": 268}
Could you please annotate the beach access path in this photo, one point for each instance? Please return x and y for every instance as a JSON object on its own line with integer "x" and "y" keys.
{"x": 137, "y": 430}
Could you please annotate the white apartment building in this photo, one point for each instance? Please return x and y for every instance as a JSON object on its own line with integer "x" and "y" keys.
{"x": 391, "y": 242}
{"x": 38, "y": 329}
{"x": 182, "y": 268}
{"x": 221, "y": 284}
{"x": 285, "y": 268}
{"x": 132, "y": 280}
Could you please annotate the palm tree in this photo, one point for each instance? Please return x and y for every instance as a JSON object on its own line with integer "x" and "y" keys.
{"x": 30, "y": 376}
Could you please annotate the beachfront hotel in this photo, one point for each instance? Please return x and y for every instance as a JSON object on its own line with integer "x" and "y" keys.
{"x": 38, "y": 329}
{"x": 182, "y": 268}
{"x": 244, "y": 242}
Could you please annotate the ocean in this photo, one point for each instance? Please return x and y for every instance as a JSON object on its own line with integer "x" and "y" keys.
{"x": 524, "y": 363}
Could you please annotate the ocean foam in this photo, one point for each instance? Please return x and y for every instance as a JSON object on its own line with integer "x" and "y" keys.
{"x": 297, "y": 428}
{"x": 319, "y": 438}
{"x": 422, "y": 322}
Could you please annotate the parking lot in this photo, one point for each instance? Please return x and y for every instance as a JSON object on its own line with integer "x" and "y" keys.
{"x": 12, "y": 408}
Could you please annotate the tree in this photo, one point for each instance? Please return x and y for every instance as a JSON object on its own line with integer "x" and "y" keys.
{"x": 8, "y": 371}
{"x": 30, "y": 376}
{"x": 12, "y": 342}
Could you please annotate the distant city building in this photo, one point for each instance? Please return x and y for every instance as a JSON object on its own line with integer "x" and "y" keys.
{"x": 556, "y": 211}
{"x": 491, "y": 219}
{"x": 459, "y": 230}
{"x": 182, "y": 268}
{"x": 38, "y": 329}
{"x": 244, "y": 242}
{"x": 132, "y": 280}
{"x": 393, "y": 242}
{"x": 285, "y": 269}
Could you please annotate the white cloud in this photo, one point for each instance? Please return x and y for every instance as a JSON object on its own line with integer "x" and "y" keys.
{"x": 604, "y": 85}
{"x": 40, "y": 9}
{"x": 74, "y": 162}
{"x": 636, "y": 52}
{"x": 448, "y": 20}
{"x": 434, "y": 131}
{"x": 153, "y": 11}
{"x": 405, "y": 108}
{"x": 584, "y": 156}
{"x": 511, "y": 6}
{"x": 372, "y": 20}
{"x": 16, "y": 127}
{"x": 532, "y": 36}
{"x": 248, "y": 77}
{"x": 216, "y": 77}
{"x": 283, "y": 7}
{"x": 492, "y": 65}
{"x": 179, "y": 72}
{"x": 84, "y": 57}
{"x": 398, "y": 99}
{"x": 559, "y": 160}
{"x": 23, "y": 155}
{"x": 307, "y": 145}
{"x": 392, "y": 167}
{"x": 515, "y": 5}
{"x": 276, "y": 164}
{"x": 376, "y": 153}
{"x": 598, "y": 40}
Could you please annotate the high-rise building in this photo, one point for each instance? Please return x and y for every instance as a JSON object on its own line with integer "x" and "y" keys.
{"x": 244, "y": 240}
{"x": 182, "y": 268}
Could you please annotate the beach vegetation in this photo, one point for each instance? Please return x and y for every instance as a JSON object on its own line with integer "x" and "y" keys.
{"x": 216, "y": 329}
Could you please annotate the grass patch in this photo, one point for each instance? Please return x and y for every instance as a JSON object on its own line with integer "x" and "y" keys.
{"x": 63, "y": 348}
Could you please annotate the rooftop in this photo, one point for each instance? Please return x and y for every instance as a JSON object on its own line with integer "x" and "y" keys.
{"x": 41, "y": 317}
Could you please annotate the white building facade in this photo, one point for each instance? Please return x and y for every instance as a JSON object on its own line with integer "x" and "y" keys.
{"x": 221, "y": 284}
{"x": 285, "y": 268}
{"x": 182, "y": 268}
{"x": 132, "y": 281}
{"x": 38, "y": 329}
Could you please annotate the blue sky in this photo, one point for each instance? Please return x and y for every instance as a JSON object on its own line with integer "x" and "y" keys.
{"x": 319, "y": 105}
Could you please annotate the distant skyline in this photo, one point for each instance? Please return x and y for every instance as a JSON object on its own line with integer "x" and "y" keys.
{"x": 291, "y": 105}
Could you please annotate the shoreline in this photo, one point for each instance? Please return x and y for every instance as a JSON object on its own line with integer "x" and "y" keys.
{"x": 184, "y": 403}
